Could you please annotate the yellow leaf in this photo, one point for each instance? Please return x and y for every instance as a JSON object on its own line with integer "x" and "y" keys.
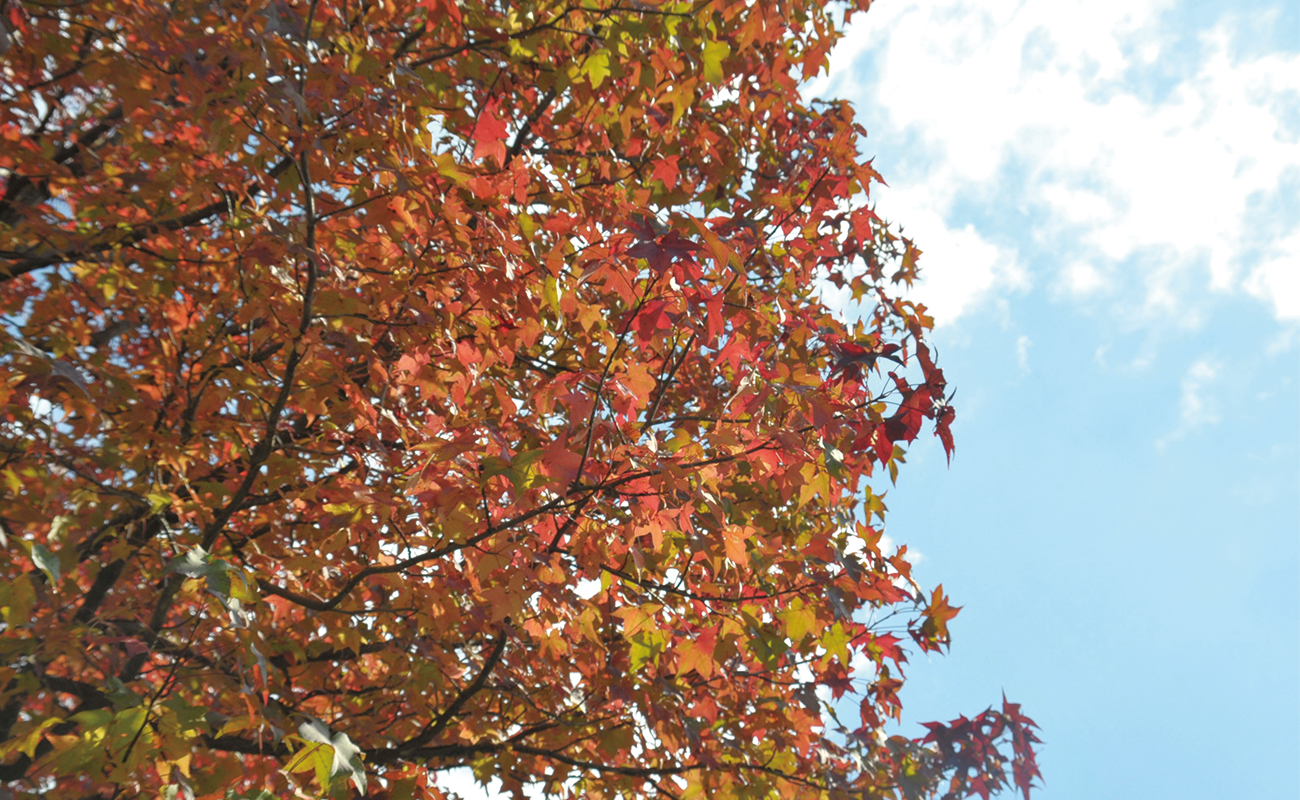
{"x": 587, "y": 624}
{"x": 714, "y": 53}
{"x": 28, "y": 743}
{"x": 16, "y": 601}
{"x": 597, "y": 67}
{"x": 93, "y": 719}
{"x": 836, "y": 642}
{"x": 733, "y": 542}
{"x": 552, "y": 292}
{"x": 305, "y": 759}
{"x": 638, "y": 619}
{"x": 234, "y": 726}
{"x": 696, "y": 655}
{"x": 800, "y": 620}
{"x": 646, "y": 647}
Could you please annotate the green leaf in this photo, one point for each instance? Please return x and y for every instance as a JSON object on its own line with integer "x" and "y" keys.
{"x": 597, "y": 67}
{"x": 834, "y": 460}
{"x": 16, "y": 601}
{"x": 714, "y": 53}
{"x": 522, "y": 472}
{"x": 188, "y": 717}
{"x": 800, "y": 620}
{"x": 93, "y": 719}
{"x": 836, "y": 641}
{"x": 28, "y": 743}
{"x": 552, "y": 293}
{"x": 46, "y": 562}
{"x": 119, "y": 694}
{"x": 646, "y": 647}
{"x": 344, "y": 758}
{"x": 193, "y": 564}
{"x": 197, "y": 563}
{"x": 219, "y": 583}
{"x": 768, "y": 645}
{"x": 126, "y": 726}
{"x": 310, "y": 758}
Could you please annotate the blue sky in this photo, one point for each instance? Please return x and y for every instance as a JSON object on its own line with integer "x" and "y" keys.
{"x": 1108, "y": 197}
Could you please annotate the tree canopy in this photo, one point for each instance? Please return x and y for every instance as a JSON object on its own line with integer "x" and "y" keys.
{"x": 387, "y": 387}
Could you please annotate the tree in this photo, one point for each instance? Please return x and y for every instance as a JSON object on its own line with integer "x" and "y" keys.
{"x": 389, "y": 387}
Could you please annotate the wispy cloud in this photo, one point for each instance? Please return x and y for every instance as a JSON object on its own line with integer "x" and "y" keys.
{"x": 1082, "y": 279}
{"x": 1023, "y": 343}
{"x": 1135, "y": 154}
{"x": 960, "y": 265}
{"x": 1277, "y": 278}
{"x": 1196, "y": 407}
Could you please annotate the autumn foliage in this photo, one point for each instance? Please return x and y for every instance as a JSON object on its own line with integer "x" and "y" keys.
{"x": 387, "y": 387}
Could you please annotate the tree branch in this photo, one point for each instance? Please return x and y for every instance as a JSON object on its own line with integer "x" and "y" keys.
{"x": 22, "y": 262}
{"x": 440, "y": 723}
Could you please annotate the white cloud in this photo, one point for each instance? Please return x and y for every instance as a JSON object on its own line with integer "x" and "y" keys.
{"x": 1120, "y": 140}
{"x": 1022, "y": 352}
{"x": 1277, "y": 279}
{"x": 1282, "y": 342}
{"x": 1195, "y": 411}
{"x": 1082, "y": 279}
{"x": 1196, "y": 408}
{"x": 958, "y": 265}
{"x": 889, "y": 547}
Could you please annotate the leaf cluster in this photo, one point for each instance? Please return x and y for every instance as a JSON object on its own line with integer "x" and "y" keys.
{"x": 389, "y": 387}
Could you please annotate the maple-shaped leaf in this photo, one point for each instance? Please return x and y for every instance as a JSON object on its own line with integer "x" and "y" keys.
{"x": 696, "y": 654}
{"x": 849, "y": 359}
{"x": 344, "y": 755}
{"x": 661, "y": 250}
{"x": 667, "y": 170}
{"x": 904, "y": 425}
{"x": 838, "y": 678}
{"x": 490, "y": 132}
{"x": 934, "y": 627}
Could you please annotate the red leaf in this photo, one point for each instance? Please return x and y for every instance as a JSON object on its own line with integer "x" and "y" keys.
{"x": 837, "y": 678}
{"x": 942, "y": 430}
{"x": 490, "y": 133}
{"x": 666, "y": 170}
